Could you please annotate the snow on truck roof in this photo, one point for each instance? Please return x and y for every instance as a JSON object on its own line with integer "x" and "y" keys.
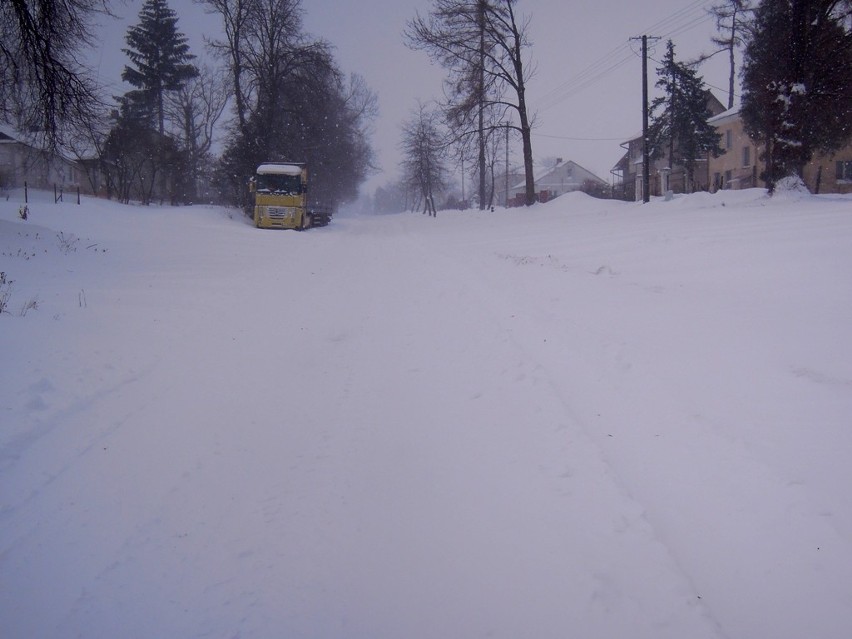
{"x": 280, "y": 169}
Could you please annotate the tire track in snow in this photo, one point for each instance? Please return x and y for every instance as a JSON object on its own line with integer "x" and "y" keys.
{"x": 536, "y": 374}
{"x": 697, "y": 456}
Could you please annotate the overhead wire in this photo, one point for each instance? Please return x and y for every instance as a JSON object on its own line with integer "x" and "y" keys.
{"x": 676, "y": 23}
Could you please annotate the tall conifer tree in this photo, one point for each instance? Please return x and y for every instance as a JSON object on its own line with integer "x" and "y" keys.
{"x": 161, "y": 61}
{"x": 680, "y": 127}
{"x": 797, "y": 82}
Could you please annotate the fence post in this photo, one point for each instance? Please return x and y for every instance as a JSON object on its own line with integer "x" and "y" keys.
{"x": 26, "y": 193}
{"x": 78, "y": 196}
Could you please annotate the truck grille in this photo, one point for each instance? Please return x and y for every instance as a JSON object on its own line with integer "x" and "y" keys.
{"x": 281, "y": 212}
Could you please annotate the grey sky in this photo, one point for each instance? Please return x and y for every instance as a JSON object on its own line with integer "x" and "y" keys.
{"x": 586, "y": 90}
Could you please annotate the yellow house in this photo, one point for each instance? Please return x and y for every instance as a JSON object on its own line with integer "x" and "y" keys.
{"x": 740, "y": 166}
{"x": 830, "y": 173}
{"x": 737, "y": 167}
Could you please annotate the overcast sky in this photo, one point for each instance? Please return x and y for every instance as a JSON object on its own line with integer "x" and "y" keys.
{"x": 586, "y": 90}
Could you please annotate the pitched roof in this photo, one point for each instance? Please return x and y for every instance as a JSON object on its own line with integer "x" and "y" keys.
{"x": 36, "y": 141}
{"x": 540, "y": 175}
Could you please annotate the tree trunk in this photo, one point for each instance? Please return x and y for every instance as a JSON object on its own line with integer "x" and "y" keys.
{"x": 769, "y": 179}
{"x": 526, "y": 138}
{"x": 523, "y": 115}
{"x": 481, "y": 90}
{"x": 731, "y": 60}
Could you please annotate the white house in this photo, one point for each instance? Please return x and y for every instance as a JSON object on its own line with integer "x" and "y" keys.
{"x": 22, "y": 161}
{"x": 564, "y": 177}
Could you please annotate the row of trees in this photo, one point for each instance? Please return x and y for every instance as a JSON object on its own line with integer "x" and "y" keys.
{"x": 290, "y": 100}
{"x": 483, "y": 45}
{"x": 796, "y": 83}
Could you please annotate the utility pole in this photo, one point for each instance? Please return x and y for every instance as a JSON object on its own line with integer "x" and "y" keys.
{"x": 646, "y": 156}
{"x": 646, "y": 153}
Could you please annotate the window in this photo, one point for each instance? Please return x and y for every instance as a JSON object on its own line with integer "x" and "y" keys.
{"x": 729, "y": 139}
{"x": 279, "y": 183}
{"x": 844, "y": 170}
{"x": 746, "y": 156}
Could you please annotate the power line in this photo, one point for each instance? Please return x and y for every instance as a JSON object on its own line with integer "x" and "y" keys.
{"x": 576, "y": 139}
{"x": 671, "y": 22}
{"x": 597, "y": 69}
{"x": 581, "y": 83}
{"x": 678, "y": 22}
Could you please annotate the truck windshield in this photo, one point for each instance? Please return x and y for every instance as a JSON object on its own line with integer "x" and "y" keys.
{"x": 279, "y": 183}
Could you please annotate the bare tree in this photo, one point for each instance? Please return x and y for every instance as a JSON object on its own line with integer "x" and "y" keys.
{"x": 732, "y": 20}
{"x": 423, "y": 157}
{"x": 235, "y": 16}
{"x": 482, "y": 44}
{"x": 493, "y": 150}
{"x": 291, "y": 100}
{"x": 265, "y": 47}
{"x": 43, "y": 85}
{"x": 195, "y": 109}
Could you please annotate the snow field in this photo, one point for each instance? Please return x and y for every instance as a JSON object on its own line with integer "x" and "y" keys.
{"x": 589, "y": 418}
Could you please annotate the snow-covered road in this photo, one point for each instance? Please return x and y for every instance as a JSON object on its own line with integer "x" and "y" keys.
{"x": 589, "y": 419}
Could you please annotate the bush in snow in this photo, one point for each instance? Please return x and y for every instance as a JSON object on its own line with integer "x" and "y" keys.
{"x": 30, "y": 305}
{"x": 67, "y": 243}
{"x": 5, "y": 292}
{"x": 792, "y": 185}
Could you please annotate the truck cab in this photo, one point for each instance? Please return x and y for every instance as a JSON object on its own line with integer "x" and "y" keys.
{"x": 280, "y": 196}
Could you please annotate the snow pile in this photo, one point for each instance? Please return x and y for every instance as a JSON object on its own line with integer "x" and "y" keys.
{"x": 792, "y": 187}
{"x": 589, "y": 418}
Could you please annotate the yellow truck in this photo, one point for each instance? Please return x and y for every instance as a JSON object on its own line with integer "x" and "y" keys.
{"x": 281, "y": 198}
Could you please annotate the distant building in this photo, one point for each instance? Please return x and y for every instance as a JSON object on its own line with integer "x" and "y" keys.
{"x": 504, "y": 185}
{"x": 561, "y": 178}
{"x": 21, "y": 160}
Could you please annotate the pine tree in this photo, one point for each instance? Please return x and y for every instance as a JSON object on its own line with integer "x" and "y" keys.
{"x": 680, "y": 127}
{"x": 797, "y": 82}
{"x": 161, "y": 60}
